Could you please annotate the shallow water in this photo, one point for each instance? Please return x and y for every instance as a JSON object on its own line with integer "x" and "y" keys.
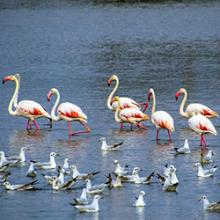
{"x": 75, "y": 48}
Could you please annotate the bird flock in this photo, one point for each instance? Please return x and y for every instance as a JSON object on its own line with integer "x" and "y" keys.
{"x": 126, "y": 111}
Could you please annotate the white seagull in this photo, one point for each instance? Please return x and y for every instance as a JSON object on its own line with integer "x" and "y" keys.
{"x": 106, "y": 147}
{"x": 213, "y": 206}
{"x": 119, "y": 170}
{"x": 183, "y": 150}
{"x": 4, "y": 161}
{"x": 60, "y": 177}
{"x": 31, "y": 171}
{"x": 94, "y": 189}
{"x": 47, "y": 165}
{"x": 84, "y": 176}
{"x": 114, "y": 183}
{"x": 21, "y": 157}
{"x": 93, "y": 207}
{"x": 57, "y": 185}
{"x": 19, "y": 187}
{"x": 204, "y": 159}
{"x": 140, "y": 200}
{"x": 206, "y": 172}
{"x": 82, "y": 200}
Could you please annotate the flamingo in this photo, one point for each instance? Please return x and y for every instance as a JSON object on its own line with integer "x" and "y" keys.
{"x": 201, "y": 125}
{"x": 194, "y": 107}
{"x": 68, "y": 112}
{"x": 26, "y": 108}
{"x": 125, "y": 101}
{"x": 161, "y": 119}
{"x": 129, "y": 115}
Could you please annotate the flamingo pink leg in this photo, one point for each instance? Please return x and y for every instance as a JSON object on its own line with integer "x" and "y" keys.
{"x": 36, "y": 125}
{"x": 70, "y": 132}
{"x": 28, "y": 124}
{"x": 121, "y": 126}
{"x": 157, "y": 135}
{"x": 140, "y": 126}
{"x": 87, "y": 129}
{"x": 169, "y": 135}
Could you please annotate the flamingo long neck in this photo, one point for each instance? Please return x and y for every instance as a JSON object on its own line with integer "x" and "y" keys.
{"x": 53, "y": 116}
{"x": 184, "y": 114}
{"x": 153, "y": 103}
{"x": 14, "y": 98}
{"x": 112, "y": 94}
{"x": 117, "y": 119}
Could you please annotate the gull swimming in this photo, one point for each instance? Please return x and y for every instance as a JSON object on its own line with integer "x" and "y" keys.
{"x": 31, "y": 171}
{"x": 119, "y": 170}
{"x": 57, "y": 185}
{"x": 4, "y": 161}
{"x": 106, "y": 147}
{"x": 204, "y": 159}
{"x": 94, "y": 189}
{"x": 183, "y": 150}
{"x": 19, "y": 187}
{"x": 84, "y": 176}
{"x": 213, "y": 206}
{"x": 140, "y": 200}
{"x": 59, "y": 177}
{"x": 114, "y": 183}
{"x": 205, "y": 172}
{"x": 82, "y": 200}
{"x": 168, "y": 185}
{"x": 47, "y": 165}
{"x": 21, "y": 157}
{"x": 93, "y": 207}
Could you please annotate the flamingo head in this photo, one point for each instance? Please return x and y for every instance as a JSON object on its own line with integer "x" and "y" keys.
{"x": 50, "y": 93}
{"x": 180, "y": 91}
{"x": 150, "y": 92}
{"x": 8, "y": 78}
{"x": 112, "y": 78}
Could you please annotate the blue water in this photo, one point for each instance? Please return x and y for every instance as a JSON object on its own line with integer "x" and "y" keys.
{"x": 76, "y": 47}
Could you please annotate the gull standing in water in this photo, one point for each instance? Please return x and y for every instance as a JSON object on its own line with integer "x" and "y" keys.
{"x": 205, "y": 173}
{"x": 31, "y": 171}
{"x": 140, "y": 200}
{"x": 84, "y": 176}
{"x": 93, "y": 207}
{"x": 19, "y": 187}
{"x": 213, "y": 206}
{"x": 47, "y": 165}
{"x": 183, "y": 150}
{"x": 83, "y": 200}
{"x": 106, "y": 147}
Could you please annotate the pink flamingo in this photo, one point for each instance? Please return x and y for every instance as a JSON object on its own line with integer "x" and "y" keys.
{"x": 125, "y": 101}
{"x": 160, "y": 119}
{"x": 194, "y": 107}
{"x": 201, "y": 125}
{"x": 68, "y": 112}
{"x": 26, "y": 108}
{"x": 129, "y": 115}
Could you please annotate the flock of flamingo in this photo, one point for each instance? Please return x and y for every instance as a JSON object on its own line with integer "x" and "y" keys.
{"x": 126, "y": 111}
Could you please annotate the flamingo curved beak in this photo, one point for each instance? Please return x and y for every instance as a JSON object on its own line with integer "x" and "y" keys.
{"x": 177, "y": 95}
{"x": 49, "y": 95}
{"x": 109, "y": 82}
{"x": 5, "y": 79}
{"x": 149, "y": 96}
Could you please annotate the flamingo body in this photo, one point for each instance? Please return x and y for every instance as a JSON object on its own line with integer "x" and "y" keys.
{"x": 125, "y": 102}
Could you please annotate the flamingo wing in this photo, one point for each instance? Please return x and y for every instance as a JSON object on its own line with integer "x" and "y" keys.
{"x": 201, "y": 125}
{"x": 201, "y": 109}
{"x": 162, "y": 119}
{"x": 125, "y": 103}
{"x": 69, "y": 112}
{"x": 132, "y": 115}
{"x": 29, "y": 108}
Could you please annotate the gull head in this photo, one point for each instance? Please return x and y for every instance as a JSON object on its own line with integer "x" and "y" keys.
{"x": 102, "y": 139}
{"x": 203, "y": 197}
{"x": 53, "y": 154}
{"x": 115, "y": 161}
{"x": 142, "y": 193}
{"x": 197, "y": 164}
{"x": 6, "y": 184}
{"x": 97, "y": 197}
{"x": 73, "y": 167}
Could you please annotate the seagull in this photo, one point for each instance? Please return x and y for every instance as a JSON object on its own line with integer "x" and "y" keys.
{"x": 31, "y": 171}
{"x": 168, "y": 185}
{"x": 205, "y": 173}
{"x": 66, "y": 164}
{"x": 83, "y": 200}
{"x": 114, "y": 183}
{"x": 19, "y": 187}
{"x": 57, "y": 185}
{"x": 47, "y": 165}
{"x": 119, "y": 170}
{"x": 95, "y": 189}
{"x": 214, "y": 206}
{"x": 140, "y": 200}
{"x": 21, "y": 157}
{"x": 60, "y": 177}
{"x": 204, "y": 159}
{"x": 93, "y": 207}
{"x": 84, "y": 176}
{"x": 183, "y": 150}
{"x": 106, "y": 147}
{"x": 4, "y": 161}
